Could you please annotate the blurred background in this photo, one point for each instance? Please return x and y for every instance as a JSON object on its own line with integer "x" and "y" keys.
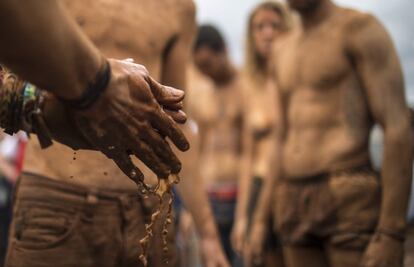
{"x": 230, "y": 17}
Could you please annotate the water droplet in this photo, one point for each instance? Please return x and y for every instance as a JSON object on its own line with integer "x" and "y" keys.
{"x": 133, "y": 174}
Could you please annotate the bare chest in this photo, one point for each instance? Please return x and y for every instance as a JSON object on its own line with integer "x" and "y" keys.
{"x": 314, "y": 60}
{"x": 127, "y": 28}
{"x": 226, "y": 105}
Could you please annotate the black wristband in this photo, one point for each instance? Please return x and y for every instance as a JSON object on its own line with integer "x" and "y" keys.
{"x": 93, "y": 91}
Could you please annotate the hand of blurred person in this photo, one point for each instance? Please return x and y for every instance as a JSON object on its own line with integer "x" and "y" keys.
{"x": 254, "y": 246}
{"x": 238, "y": 235}
{"x": 133, "y": 116}
{"x": 383, "y": 251}
{"x": 212, "y": 254}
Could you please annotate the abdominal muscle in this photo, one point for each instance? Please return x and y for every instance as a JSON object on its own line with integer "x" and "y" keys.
{"x": 308, "y": 152}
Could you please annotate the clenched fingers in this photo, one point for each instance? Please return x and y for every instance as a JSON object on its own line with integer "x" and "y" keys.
{"x": 178, "y": 116}
{"x": 168, "y": 128}
{"x": 154, "y": 150}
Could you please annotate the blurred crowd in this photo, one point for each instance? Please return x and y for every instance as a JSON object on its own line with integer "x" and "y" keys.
{"x": 232, "y": 126}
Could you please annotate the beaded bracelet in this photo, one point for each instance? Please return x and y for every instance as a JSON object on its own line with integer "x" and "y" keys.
{"x": 21, "y": 105}
{"x": 9, "y": 101}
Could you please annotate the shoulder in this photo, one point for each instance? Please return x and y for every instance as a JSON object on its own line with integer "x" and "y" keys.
{"x": 361, "y": 26}
{"x": 357, "y": 21}
{"x": 186, "y": 9}
{"x": 363, "y": 29}
{"x": 199, "y": 95}
{"x": 185, "y": 15}
{"x": 366, "y": 37}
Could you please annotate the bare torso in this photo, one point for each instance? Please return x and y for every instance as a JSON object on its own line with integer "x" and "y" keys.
{"x": 326, "y": 115}
{"x": 142, "y": 30}
{"x": 259, "y": 101}
{"x": 222, "y": 136}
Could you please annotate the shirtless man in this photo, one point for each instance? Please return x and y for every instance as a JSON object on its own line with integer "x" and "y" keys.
{"x": 220, "y": 129}
{"x": 96, "y": 91}
{"x": 338, "y": 75}
{"x": 78, "y": 208}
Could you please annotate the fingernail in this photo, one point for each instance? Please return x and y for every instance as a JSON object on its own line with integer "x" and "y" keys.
{"x": 177, "y": 92}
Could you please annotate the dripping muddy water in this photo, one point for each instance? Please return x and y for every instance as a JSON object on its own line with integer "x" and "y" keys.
{"x": 162, "y": 191}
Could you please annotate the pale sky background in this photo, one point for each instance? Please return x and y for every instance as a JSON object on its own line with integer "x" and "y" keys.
{"x": 397, "y": 15}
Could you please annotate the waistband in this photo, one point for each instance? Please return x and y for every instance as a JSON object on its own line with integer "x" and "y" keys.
{"x": 40, "y": 188}
{"x": 358, "y": 169}
{"x": 225, "y": 192}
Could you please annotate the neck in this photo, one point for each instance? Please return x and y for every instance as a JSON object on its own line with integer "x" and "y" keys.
{"x": 227, "y": 75}
{"x": 262, "y": 70}
{"x": 264, "y": 65}
{"x": 314, "y": 15}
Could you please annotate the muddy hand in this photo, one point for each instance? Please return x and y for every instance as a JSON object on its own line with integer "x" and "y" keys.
{"x": 133, "y": 116}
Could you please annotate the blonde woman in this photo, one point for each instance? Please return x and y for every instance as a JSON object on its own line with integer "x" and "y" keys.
{"x": 268, "y": 22}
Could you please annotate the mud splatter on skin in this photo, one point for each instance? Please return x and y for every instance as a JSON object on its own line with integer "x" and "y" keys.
{"x": 73, "y": 159}
{"x": 162, "y": 190}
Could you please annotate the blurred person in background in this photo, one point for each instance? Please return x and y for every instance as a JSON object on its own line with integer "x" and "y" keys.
{"x": 337, "y": 75}
{"x": 220, "y": 130}
{"x": 11, "y": 160}
{"x": 267, "y": 23}
{"x": 200, "y": 87}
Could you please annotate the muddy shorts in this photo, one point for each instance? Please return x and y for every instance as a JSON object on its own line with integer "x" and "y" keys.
{"x": 341, "y": 209}
{"x": 59, "y": 224}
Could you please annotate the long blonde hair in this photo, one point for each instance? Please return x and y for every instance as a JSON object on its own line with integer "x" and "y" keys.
{"x": 253, "y": 69}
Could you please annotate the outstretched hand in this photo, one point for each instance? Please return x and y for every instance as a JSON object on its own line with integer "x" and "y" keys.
{"x": 133, "y": 116}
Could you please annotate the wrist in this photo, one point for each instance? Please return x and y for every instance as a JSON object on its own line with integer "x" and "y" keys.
{"x": 393, "y": 223}
{"x": 208, "y": 232}
{"x": 81, "y": 74}
{"x": 396, "y": 235}
{"x": 93, "y": 91}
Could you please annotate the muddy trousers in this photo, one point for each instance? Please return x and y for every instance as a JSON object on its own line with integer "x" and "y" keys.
{"x": 327, "y": 220}
{"x": 64, "y": 225}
